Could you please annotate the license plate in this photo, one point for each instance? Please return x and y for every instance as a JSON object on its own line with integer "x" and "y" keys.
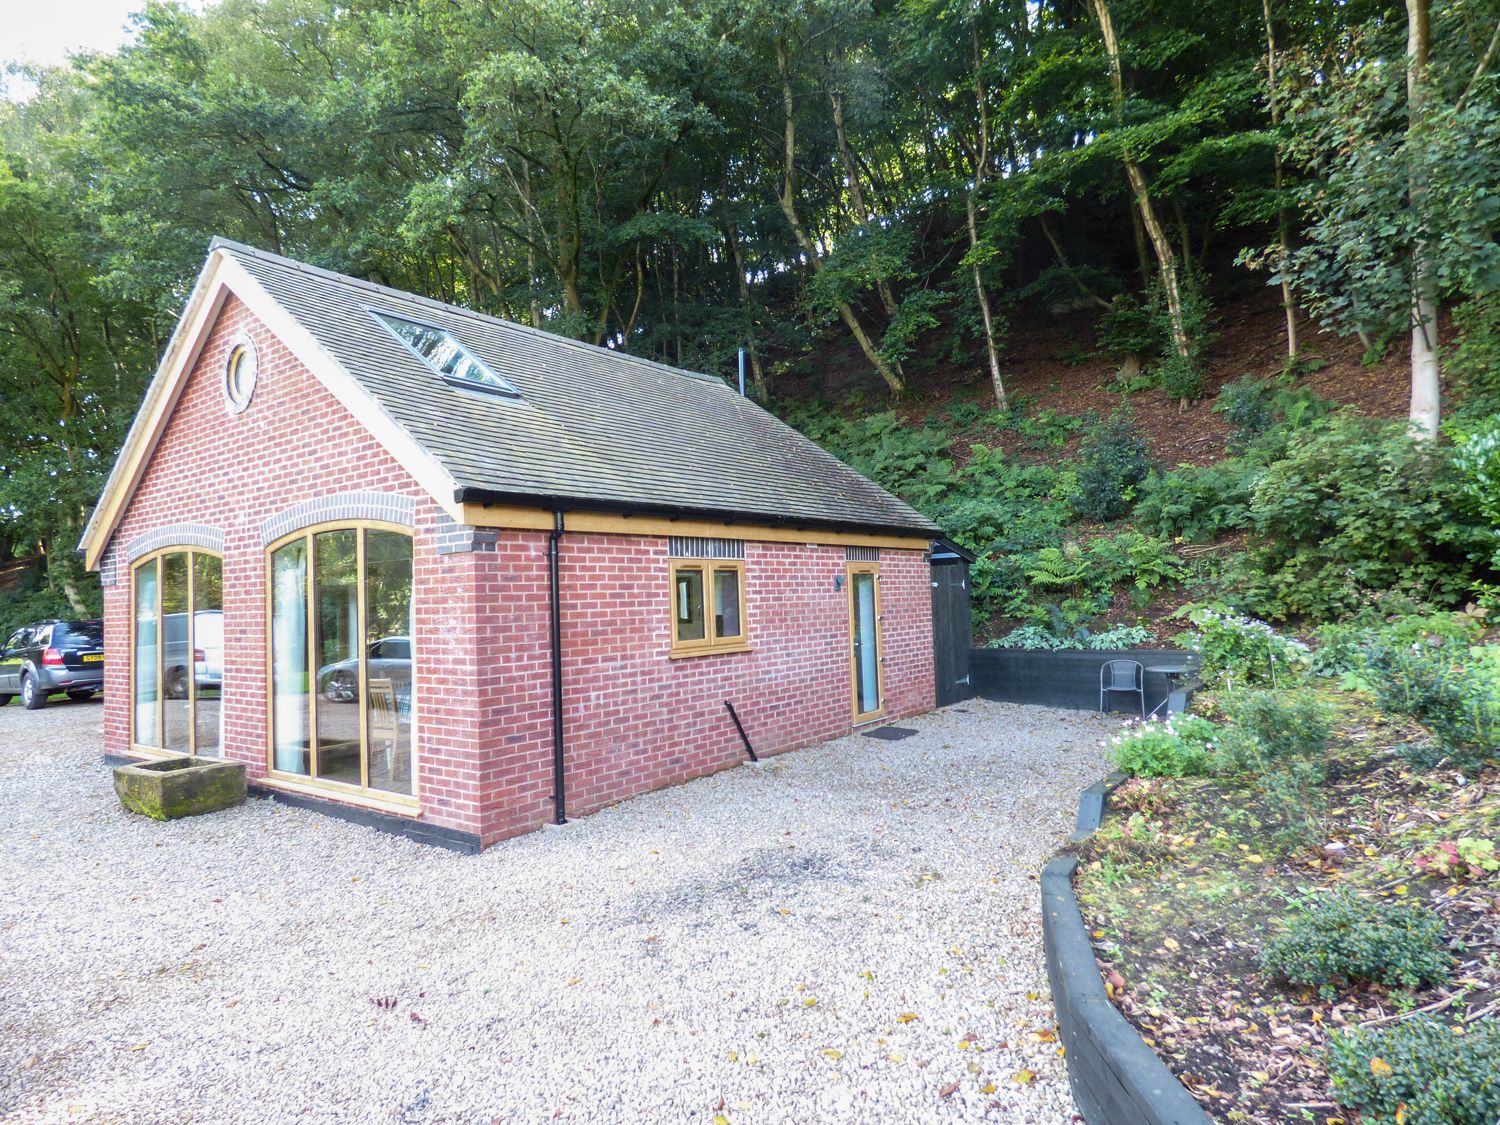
{"x": 93, "y": 657}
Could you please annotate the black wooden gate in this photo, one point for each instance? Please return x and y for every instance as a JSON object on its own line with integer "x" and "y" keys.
{"x": 952, "y": 627}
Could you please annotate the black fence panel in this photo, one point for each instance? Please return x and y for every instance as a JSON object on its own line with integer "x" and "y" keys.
{"x": 1067, "y": 678}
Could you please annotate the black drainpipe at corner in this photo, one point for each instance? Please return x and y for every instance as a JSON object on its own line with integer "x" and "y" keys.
{"x": 555, "y": 592}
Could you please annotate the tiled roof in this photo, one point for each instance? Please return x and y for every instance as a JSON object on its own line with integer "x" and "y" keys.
{"x": 593, "y": 427}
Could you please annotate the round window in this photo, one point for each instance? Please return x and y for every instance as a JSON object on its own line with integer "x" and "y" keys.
{"x": 240, "y": 371}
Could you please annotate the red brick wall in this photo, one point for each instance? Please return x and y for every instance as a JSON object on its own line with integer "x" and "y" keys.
{"x": 634, "y": 718}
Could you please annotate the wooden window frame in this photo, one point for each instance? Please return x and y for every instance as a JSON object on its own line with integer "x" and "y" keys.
{"x": 361, "y": 794}
{"x": 192, "y": 629}
{"x": 711, "y": 643}
{"x": 850, "y": 570}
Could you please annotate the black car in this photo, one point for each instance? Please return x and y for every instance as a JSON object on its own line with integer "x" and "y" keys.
{"x": 52, "y": 656}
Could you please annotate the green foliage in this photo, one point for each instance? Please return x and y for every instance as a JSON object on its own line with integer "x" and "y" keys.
{"x": 1181, "y": 376}
{"x": 1363, "y": 151}
{"x": 1468, "y": 857}
{"x": 1419, "y": 1072}
{"x": 1285, "y": 724}
{"x": 1195, "y": 504}
{"x": 1356, "y": 506}
{"x": 1115, "y": 459}
{"x": 1249, "y": 407}
{"x": 1240, "y": 651}
{"x": 1178, "y": 747}
{"x": 1474, "y": 365}
{"x": 1476, "y": 460}
{"x": 1339, "y": 940}
{"x": 1127, "y": 329}
{"x": 1037, "y": 638}
{"x": 1455, "y": 693}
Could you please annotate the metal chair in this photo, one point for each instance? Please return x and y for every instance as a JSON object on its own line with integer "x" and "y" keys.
{"x": 1123, "y": 676}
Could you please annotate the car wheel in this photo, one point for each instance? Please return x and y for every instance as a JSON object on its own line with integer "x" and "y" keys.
{"x": 80, "y": 696}
{"x": 342, "y": 688}
{"x": 177, "y": 683}
{"x": 32, "y": 697}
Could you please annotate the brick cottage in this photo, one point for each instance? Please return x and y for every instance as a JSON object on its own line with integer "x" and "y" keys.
{"x": 460, "y": 577}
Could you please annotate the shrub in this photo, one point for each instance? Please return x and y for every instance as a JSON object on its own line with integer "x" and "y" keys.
{"x": 1126, "y": 330}
{"x": 1178, "y": 747}
{"x": 1195, "y": 504}
{"x": 1249, "y": 407}
{"x": 1341, "y": 939}
{"x": 1419, "y": 1072}
{"x": 1242, "y": 651}
{"x": 1181, "y": 376}
{"x": 1285, "y": 724}
{"x": 1115, "y": 459}
{"x": 1356, "y": 506}
{"x": 1450, "y": 690}
{"x": 1477, "y": 460}
{"x": 1474, "y": 364}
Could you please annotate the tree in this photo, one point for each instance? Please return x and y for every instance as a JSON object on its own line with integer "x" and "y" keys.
{"x": 1401, "y": 149}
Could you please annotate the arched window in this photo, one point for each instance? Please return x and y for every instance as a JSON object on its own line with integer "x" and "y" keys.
{"x": 341, "y": 658}
{"x": 177, "y": 652}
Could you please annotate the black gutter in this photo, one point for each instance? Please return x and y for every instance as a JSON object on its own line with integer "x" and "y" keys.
{"x": 555, "y": 597}
{"x": 484, "y": 496}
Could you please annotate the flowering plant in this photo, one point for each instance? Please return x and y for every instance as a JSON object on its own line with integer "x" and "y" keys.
{"x": 1242, "y": 651}
{"x": 1179, "y": 746}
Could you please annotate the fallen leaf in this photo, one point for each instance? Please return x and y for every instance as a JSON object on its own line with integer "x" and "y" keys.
{"x": 907, "y": 1017}
{"x": 1380, "y": 1068}
{"x": 948, "y": 1089}
{"x": 1024, "y": 1077}
{"x": 833, "y": 1053}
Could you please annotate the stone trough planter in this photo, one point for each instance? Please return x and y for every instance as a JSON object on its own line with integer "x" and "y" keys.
{"x": 178, "y": 787}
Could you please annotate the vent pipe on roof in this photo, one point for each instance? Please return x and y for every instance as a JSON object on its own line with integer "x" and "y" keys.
{"x": 742, "y": 372}
{"x": 555, "y": 591}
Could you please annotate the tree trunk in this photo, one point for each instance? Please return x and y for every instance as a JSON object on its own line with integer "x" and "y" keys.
{"x": 757, "y": 373}
{"x": 1166, "y": 260}
{"x": 1426, "y": 409}
{"x": 1283, "y": 230}
{"x": 857, "y": 191}
{"x": 1062, "y": 261}
{"x": 814, "y": 260}
{"x": 981, "y": 166}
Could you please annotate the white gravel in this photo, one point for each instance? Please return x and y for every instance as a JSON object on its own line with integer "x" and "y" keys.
{"x": 745, "y": 946}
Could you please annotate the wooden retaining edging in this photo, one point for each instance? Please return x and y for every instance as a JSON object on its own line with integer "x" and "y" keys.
{"x": 1116, "y": 1078}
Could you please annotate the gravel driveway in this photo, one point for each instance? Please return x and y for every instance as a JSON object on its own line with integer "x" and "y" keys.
{"x": 849, "y": 933}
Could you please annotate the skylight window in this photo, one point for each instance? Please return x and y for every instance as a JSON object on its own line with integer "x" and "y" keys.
{"x": 441, "y": 351}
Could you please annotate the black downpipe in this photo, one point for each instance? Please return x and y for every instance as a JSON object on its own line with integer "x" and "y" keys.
{"x": 555, "y": 591}
{"x": 739, "y": 726}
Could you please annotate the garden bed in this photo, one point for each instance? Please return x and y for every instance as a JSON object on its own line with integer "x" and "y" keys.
{"x": 1191, "y": 877}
